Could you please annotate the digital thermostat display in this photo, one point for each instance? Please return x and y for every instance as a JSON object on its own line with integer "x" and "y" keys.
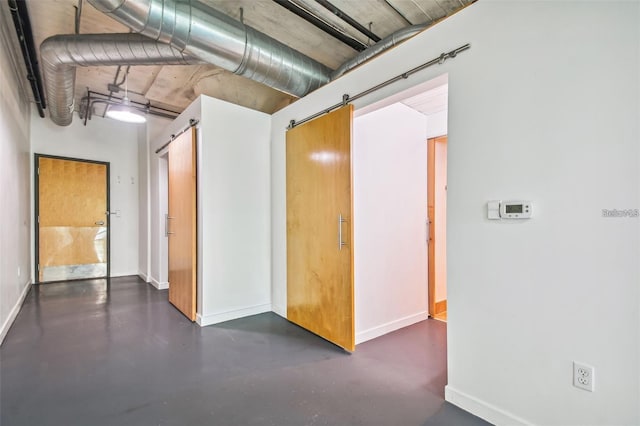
{"x": 515, "y": 209}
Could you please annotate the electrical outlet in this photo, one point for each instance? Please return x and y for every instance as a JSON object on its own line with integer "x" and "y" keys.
{"x": 583, "y": 376}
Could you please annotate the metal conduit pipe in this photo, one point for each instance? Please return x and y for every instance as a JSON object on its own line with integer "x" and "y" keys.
{"x": 61, "y": 55}
{"x": 22, "y": 23}
{"x": 218, "y": 39}
{"x": 378, "y": 48}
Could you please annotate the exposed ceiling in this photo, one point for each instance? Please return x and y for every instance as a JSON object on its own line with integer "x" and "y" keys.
{"x": 174, "y": 87}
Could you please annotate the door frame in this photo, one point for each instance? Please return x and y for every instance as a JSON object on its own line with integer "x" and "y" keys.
{"x": 36, "y": 211}
{"x": 432, "y": 223}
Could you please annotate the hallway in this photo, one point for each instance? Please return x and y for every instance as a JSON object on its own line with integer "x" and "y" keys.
{"x": 117, "y": 353}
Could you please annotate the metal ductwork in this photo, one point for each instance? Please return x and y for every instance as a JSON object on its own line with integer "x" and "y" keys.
{"x": 61, "y": 54}
{"x": 378, "y": 48}
{"x": 205, "y": 33}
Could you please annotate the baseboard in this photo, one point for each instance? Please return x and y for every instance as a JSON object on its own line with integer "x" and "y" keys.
{"x": 482, "y": 409}
{"x": 231, "y": 315}
{"x": 390, "y": 326}
{"x": 441, "y": 306}
{"x": 14, "y": 312}
{"x": 143, "y": 277}
{"x": 159, "y": 285}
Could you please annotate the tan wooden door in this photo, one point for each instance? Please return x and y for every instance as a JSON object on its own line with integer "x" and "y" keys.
{"x": 182, "y": 223}
{"x": 72, "y": 219}
{"x": 319, "y": 227}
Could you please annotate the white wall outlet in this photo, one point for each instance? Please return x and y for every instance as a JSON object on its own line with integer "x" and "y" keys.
{"x": 583, "y": 376}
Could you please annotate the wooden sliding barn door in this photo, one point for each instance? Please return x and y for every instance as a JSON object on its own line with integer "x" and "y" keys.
{"x": 182, "y": 223}
{"x": 319, "y": 227}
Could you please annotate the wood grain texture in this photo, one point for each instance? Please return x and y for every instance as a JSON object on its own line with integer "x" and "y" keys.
{"x": 431, "y": 212}
{"x": 441, "y": 306}
{"x": 72, "y": 197}
{"x": 319, "y": 273}
{"x": 182, "y": 223}
{"x": 71, "y": 193}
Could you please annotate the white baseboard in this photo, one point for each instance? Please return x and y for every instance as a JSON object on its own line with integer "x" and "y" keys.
{"x": 482, "y": 409}
{"x": 14, "y": 312}
{"x": 390, "y": 326}
{"x": 159, "y": 285}
{"x": 231, "y": 315}
{"x": 143, "y": 277}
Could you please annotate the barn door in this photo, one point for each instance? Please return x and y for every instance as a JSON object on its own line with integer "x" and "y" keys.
{"x": 182, "y": 223}
{"x": 319, "y": 227}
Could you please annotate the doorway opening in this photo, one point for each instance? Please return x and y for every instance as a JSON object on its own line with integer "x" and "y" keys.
{"x": 400, "y": 238}
{"x": 437, "y": 226}
{"x": 72, "y": 232}
{"x": 376, "y": 250}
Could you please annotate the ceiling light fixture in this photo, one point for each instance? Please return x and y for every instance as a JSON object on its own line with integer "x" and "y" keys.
{"x": 125, "y": 111}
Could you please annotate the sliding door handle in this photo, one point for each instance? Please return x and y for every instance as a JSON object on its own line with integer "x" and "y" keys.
{"x": 428, "y": 231}
{"x": 166, "y": 225}
{"x": 100, "y": 222}
{"x": 341, "y": 243}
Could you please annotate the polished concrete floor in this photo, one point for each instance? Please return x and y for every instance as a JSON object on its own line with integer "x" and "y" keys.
{"x": 117, "y": 353}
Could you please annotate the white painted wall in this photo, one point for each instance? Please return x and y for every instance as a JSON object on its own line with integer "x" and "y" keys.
{"x": 235, "y": 204}
{"x": 15, "y": 214}
{"x": 437, "y": 124}
{"x": 143, "y": 204}
{"x": 233, "y": 208}
{"x": 548, "y": 115}
{"x": 389, "y": 160}
{"x": 102, "y": 140}
{"x": 153, "y": 192}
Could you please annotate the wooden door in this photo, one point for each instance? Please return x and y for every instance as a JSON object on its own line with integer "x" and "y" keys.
{"x": 182, "y": 223}
{"x": 71, "y": 211}
{"x": 436, "y": 308}
{"x": 319, "y": 227}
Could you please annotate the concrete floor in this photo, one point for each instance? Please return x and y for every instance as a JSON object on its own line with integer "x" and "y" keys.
{"x": 117, "y": 353}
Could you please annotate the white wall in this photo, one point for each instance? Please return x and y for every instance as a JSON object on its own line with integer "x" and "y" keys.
{"x": 110, "y": 141}
{"x": 548, "y": 114}
{"x": 234, "y": 245}
{"x": 15, "y": 214}
{"x": 235, "y": 204}
{"x": 437, "y": 124}
{"x": 389, "y": 160}
{"x": 143, "y": 204}
{"x": 152, "y": 262}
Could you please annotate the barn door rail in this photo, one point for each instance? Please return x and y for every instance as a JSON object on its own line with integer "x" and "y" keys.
{"x": 346, "y": 99}
{"x": 192, "y": 123}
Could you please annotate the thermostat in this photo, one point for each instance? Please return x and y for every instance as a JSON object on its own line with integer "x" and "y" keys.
{"x": 497, "y": 210}
{"x": 515, "y": 209}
